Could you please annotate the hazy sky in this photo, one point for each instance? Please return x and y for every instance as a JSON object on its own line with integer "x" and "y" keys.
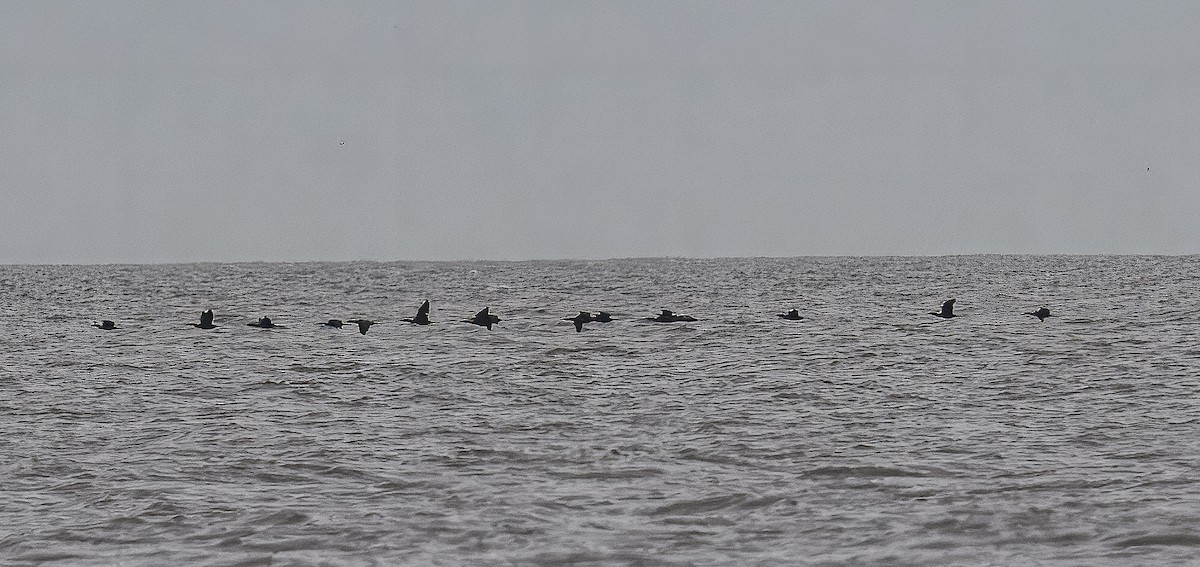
{"x": 230, "y": 131}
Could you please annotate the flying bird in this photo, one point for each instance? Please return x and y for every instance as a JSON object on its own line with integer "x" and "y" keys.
{"x": 580, "y": 319}
{"x": 363, "y": 324}
{"x": 263, "y": 323}
{"x": 422, "y": 317}
{"x": 483, "y": 319}
{"x": 947, "y": 310}
{"x": 669, "y": 317}
{"x": 206, "y": 321}
{"x": 1041, "y": 314}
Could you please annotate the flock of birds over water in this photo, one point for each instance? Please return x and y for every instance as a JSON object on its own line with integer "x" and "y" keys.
{"x": 484, "y": 318}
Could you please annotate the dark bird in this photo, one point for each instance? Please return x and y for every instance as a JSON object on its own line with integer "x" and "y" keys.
{"x": 263, "y": 323}
{"x": 363, "y": 324}
{"x": 1041, "y": 314}
{"x": 422, "y": 317}
{"x": 602, "y": 317}
{"x": 483, "y": 319}
{"x": 337, "y": 323}
{"x": 668, "y": 317}
{"x": 947, "y": 310}
{"x": 105, "y": 325}
{"x": 580, "y": 319}
{"x": 793, "y": 315}
{"x": 206, "y": 321}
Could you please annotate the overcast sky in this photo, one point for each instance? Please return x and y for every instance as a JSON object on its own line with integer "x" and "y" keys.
{"x": 233, "y": 131}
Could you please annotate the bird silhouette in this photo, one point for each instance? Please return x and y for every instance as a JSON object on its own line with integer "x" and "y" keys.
{"x": 422, "y": 317}
{"x": 947, "y": 310}
{"x": 1041, "y": 314}
{"x": 667, "y": 316}
{"x": 483, "y": 319}
{"x": 263, "y": 323}
{"x": 580, "y": 319}
{"x": 793, "y": 315}
{"x": 363, "y": 324}
{"x": 206, "y": 321}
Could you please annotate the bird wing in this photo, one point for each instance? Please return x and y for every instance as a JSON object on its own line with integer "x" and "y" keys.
{"x": 423, "y": 310}
{"x": 206, "y": 318}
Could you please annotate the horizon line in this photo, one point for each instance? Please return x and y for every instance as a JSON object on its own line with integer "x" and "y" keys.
{"x": 588, "y": 259}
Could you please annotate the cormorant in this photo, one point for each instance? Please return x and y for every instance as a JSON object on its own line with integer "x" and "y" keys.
{"x": 483, "y": 319}
{"x": 580, "y": 319}
{"x": 363, "y": 324}
{"x": 668, "y": 317}
{"x": 263, "y": 323}
{"x": 206, "y": 321}
{"x": 1041, "y": 314}
{"x": 793, "y": 315}
{"x": 422, "y": 317}
{"x": 947, "y": 310}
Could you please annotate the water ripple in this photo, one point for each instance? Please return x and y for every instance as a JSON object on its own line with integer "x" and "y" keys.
{"x": 866, "y": 433}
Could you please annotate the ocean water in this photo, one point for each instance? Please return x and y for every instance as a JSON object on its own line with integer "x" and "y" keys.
{"x": 868, "y": 433}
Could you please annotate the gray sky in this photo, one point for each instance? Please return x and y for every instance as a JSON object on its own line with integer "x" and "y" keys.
{"x": 213, "y": 131}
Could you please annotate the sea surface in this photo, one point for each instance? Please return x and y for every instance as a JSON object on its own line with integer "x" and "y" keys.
{"x": 868, "y": 433}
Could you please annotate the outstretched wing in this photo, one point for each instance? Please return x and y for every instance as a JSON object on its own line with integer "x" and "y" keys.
{"x": 423, "y": 311}
{"x": 948, "y": 307}
{"x": 206, "y": 318}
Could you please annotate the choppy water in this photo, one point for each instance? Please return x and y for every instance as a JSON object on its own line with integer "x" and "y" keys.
{"x": 870, "y": 433}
